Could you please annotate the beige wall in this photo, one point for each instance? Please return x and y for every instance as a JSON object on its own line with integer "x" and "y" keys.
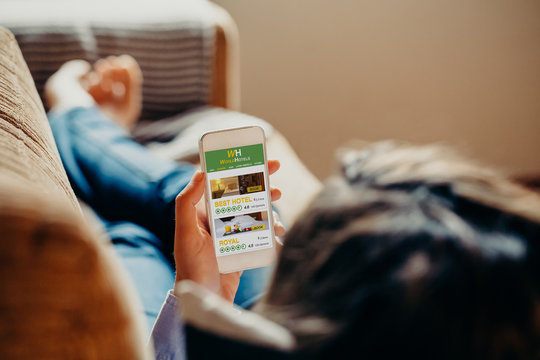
{"x": 465, "y": 72}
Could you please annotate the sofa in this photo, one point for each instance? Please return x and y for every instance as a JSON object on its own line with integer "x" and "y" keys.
{"x": 189, "y": 54}
{"x": 64, "y": 293}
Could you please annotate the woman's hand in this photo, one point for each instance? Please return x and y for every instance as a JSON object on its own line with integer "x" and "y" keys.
{"x": 194, "y": 252}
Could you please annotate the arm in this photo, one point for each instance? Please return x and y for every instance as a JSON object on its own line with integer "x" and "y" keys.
{"x": 193, "y": 246}
{"x": 168, "y": 333}
{"x": 195, "y": 260}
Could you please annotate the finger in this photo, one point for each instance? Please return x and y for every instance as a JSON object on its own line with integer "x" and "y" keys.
{"x": 193, "y": 192}
{"x": 279, "y": 229}
{"x": 202, "y": 216}
{"x": 273, "y": 166}
{"x": 275, "y": 194}
{"x": 279, "y": 243}
{"x": 187, "y": 200}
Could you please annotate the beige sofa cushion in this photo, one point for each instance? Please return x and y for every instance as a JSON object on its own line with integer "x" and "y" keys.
{"x": 28, "y": 153}
{"x": 64, "y": 295}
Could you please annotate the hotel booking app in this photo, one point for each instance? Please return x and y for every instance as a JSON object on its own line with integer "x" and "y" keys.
{"x": 239, "y": 201}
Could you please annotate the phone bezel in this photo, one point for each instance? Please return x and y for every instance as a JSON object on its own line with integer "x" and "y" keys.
{"x": 221, "y": 139}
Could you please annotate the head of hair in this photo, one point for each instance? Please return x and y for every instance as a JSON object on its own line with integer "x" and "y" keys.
{"x": 412, "y": 252}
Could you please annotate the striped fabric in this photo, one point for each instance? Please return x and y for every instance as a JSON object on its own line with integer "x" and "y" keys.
{"x": 174, "y": 45}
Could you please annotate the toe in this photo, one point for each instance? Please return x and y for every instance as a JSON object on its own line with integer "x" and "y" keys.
{"x": 102, "y": 66}
{"x": 131, "y": 65}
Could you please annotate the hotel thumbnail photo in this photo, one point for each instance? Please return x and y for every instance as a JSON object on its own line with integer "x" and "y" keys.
{"x": 241, "y": 223}
{"x": 237, "y": 185}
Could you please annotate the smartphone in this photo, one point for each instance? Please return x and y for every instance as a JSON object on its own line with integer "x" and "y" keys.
{"x": 238, "y": 197}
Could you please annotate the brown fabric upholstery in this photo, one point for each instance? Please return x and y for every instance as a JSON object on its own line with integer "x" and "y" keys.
{"x": 63, "y": 294}
{"x": 27, "y": 149}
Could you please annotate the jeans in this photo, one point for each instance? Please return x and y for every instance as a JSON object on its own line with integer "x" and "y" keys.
{"x": 133, "y": 193}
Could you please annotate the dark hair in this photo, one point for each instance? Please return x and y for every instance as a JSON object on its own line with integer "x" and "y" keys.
{"x": 412, "y": 252}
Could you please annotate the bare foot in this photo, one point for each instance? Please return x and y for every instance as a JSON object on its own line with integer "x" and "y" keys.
{"x": 63, "y": 90}
{"x": 115, "y": 84}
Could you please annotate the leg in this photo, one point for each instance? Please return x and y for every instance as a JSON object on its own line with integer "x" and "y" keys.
{"x": 148, "y": 266}
{"x": 253, "y": 285}
{"x": 113, "y": 174}
{"x": 117, "y": 177}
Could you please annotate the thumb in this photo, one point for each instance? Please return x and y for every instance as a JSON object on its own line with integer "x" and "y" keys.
{"x": 186, "y": 212}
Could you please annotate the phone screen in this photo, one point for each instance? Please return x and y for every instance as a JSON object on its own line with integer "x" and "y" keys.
{"x": 239, "y": 203}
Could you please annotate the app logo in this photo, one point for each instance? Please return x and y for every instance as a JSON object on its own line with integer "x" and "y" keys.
{"x": 234, "y": 152}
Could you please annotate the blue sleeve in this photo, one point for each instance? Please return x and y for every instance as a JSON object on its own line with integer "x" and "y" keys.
{"x": 168, "y": 332}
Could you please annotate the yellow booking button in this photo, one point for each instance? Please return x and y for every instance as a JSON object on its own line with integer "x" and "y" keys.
{"x": 258, "y": 227}
{"x": 254, "y": 188}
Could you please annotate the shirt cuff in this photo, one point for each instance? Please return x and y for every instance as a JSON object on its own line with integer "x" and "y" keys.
{"x": 168, "y": 332}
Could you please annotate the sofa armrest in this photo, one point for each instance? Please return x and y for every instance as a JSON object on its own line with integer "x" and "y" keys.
{"x": 28, "y": 152}
{"x": 226, "y": 65}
